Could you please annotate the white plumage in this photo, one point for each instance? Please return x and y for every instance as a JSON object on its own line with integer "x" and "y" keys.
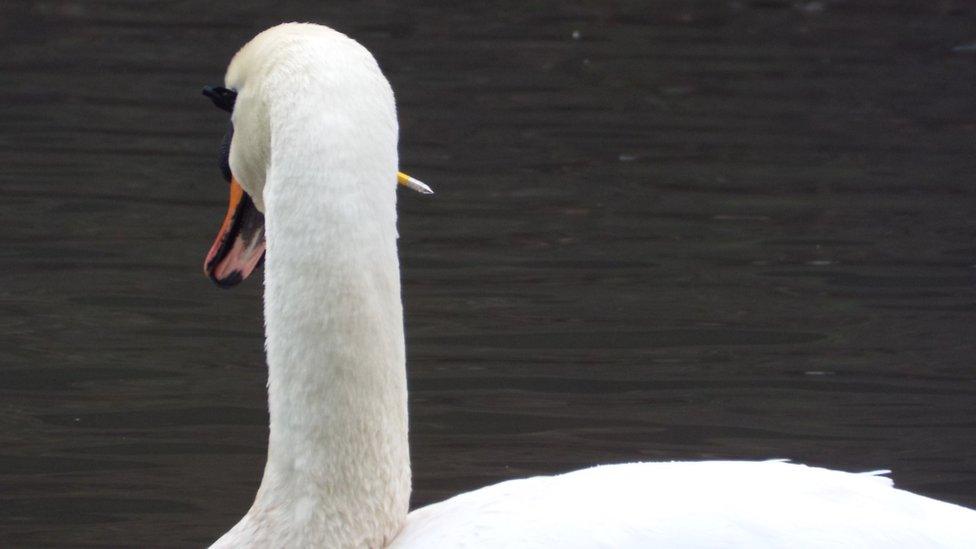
{"x": 692, "y": 505}
{"x": 315, "y": 147}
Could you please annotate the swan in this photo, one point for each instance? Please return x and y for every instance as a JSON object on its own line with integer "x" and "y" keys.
{"x": 311, "y": 158}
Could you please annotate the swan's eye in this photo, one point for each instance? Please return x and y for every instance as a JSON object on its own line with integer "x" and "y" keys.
{"x": 224, "y": 159}
{"x": 223, "y": 98}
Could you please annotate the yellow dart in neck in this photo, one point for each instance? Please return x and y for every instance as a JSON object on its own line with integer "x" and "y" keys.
{"x": 413, "y": 184}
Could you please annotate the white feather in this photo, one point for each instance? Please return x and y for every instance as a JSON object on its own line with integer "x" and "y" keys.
{"x": 713, "y": 504}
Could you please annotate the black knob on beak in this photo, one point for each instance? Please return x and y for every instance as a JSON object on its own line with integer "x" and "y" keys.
{"x": 223, "y": 98}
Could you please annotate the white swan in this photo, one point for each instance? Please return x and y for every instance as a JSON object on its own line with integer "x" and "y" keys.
{"x": 315, "y": 148}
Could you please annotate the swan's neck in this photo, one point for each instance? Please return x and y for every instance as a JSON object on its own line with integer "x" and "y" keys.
{"x": 338, "y": 471}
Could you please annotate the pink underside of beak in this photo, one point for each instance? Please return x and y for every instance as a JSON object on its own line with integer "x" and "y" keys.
{"x": 239, "y": 246}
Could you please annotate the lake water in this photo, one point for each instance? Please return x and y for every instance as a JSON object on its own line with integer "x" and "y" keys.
{"x": 687, "y": 231}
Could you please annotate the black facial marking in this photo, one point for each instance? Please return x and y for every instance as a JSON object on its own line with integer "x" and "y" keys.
{"x": 222, "y": 97}
{"x": 224, "y": 160}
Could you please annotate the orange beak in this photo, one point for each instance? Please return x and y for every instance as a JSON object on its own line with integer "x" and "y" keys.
{"x": 239, "y": 246}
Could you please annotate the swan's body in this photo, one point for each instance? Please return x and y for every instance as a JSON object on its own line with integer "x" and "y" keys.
{"x": 693, "y": 505}
{"x": 315, "y": 148}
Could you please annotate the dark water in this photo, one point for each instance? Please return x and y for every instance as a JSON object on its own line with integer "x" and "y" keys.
{"x": 695, "y": 230}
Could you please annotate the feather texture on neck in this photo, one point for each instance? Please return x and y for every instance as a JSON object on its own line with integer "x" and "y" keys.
{"x": 315, "y": 144}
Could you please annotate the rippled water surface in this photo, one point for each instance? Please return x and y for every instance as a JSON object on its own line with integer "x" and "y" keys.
{"x": 691, "y": 230}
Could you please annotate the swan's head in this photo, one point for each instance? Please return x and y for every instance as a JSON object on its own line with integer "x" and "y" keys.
{"x": 260, "y": 71}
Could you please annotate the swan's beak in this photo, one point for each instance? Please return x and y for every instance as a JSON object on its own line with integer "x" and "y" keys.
{"x": 413, "y": 184}
{"x": 239, "y": 246}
